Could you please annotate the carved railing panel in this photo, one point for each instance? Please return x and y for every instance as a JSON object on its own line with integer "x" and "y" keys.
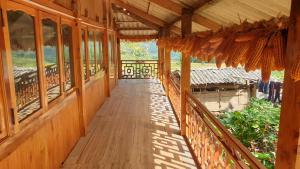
{"x": 174, "y": 95}
{"x": 27, "y": 89}
{"x": 213, "y": 145}
{"x": 139, "y": 69}
{"x": 27, "y": 85}
{"x": 52, "y": 76}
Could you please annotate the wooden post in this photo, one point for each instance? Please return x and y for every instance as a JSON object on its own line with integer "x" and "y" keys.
{"x": 288, "y": 147}
{"x": 161, "y": 52}
{"x": 167, "y": 69}
{"x": 158, "y": 62}
{"x": 105, "y": 49}
{"x": 186, "y": 28}
{"x": 167, "y": 63}
{"x": 79, "y": 78}
{"x": 119, "y": 59}
{"x": 78, "y": 68}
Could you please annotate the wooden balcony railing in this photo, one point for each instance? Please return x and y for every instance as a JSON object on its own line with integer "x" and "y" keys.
{"x": 27, "y": 85}
{"x": 213, "y": 145}
{"x": 139, "y": 69}
{"x": 174, "y": 95}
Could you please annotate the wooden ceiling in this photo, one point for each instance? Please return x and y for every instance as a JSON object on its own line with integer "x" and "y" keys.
{"x": 147, "y": 17}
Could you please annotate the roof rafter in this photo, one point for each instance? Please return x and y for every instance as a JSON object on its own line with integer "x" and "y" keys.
{"x": 170, "y": 5}
{"x": 138, "y": 29}
{"x": 139, "y": 15}
{"x": 138, "y": 37}
{"x": 177, "y": 9}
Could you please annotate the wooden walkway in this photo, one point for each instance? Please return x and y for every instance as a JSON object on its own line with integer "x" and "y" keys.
{"x": 134, "y": 129}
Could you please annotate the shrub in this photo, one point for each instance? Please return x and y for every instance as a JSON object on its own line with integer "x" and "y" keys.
{"x": 257, "y": 128}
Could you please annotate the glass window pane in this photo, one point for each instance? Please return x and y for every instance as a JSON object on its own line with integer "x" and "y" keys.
{"x": 51, "y": 59}
{"x": 23, "y": 51}
{"x": 99, "y": 50}
{"x": 68, "y": 57}
{"x": 111, "y": 57}
{"x": 92, "y": 53}
{"x": 83, "y": 55}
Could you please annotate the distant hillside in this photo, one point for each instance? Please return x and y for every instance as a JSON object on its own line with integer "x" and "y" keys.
{"x": 142, "y": 50}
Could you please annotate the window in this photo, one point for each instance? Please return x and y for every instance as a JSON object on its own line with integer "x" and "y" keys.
{"x": 68, "y": 57}
{"x": 24, "y": 60}
{"x": 92, "y": 54}
{"x": 51, "y": 59}
{"x": 99, "y": 50}
{"x": 3, "y": 131}
{"x": 111, "y": 56}
{"x": 83, "y": 54}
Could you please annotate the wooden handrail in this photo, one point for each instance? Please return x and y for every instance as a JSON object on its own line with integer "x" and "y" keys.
{"x": 230, "y": 143}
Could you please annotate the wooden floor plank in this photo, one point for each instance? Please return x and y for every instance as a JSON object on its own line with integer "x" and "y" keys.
{"x": 135, "y": 128}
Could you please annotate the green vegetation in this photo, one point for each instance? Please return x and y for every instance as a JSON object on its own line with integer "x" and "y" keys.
{"x": 279, "y": 75}
{"x": 257, "y": 128}
{"x": 139, "y": 51}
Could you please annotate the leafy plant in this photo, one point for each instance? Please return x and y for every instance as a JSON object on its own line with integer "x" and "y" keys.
{"x": 257, "y": 128}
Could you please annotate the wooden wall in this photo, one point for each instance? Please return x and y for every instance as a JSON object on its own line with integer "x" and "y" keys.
{"x": 92, "y": 9}
{"x": 96, "y": 90}
{"x": 46, "y": 142}
{"x": 51, "y": 143}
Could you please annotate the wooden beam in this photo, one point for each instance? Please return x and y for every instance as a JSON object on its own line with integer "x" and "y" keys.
{"x": 132, "y": 29}
{"x": 201, "y": 20}
{"x": 174, "y": 7}
{"x": 186, "y": 29}
{"x": 199, "y": 4}
{"x": 138, "y": 37}
{"x": 140, "y": 15}
{"x": 288, "y": 146}
{"x": 137, "y": 17}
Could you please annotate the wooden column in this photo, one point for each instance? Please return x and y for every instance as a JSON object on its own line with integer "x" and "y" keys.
{"x": 288, "y": 147}
{"x": 167, "y": 69}
{"x": 119, "y": 59}
{"x": 158, "y": 62}
{"x": 161, "y": 53}
{"x": 105, "y": 49}
{"x": 78, "y": 68}
{"x": 186, "y": 29}
{"x": 79, "y": 78}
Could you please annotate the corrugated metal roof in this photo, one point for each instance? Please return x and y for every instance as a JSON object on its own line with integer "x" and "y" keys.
{"x": 222, "y": 76}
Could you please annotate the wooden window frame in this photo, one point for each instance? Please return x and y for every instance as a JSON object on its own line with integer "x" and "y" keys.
{"x": 56, "y": 19}
{"x": 94, "y": 38}
{"x": 4, "y": 116}
{"x": 100, "y": 38}
{"x": 13, "y": 6}
{"x": 71, "y": 23}
{"x": 84, "y": 29}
